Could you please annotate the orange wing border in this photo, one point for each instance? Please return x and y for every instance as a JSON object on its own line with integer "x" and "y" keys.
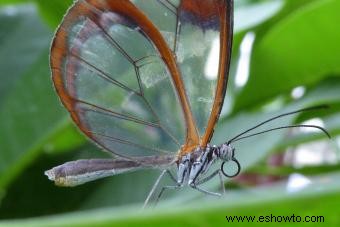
{"x": 131, "y": 12}
{"x": 226, "y": 14}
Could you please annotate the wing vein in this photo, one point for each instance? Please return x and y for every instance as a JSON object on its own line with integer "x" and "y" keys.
{"x": 104, "y": 75}
{"x": 118, "y": 115}
{"x": 160, "y": 124}
{"x": 168, "y": 5}
{"x": 111, "y": 40}
{"x": 130, "y": 143}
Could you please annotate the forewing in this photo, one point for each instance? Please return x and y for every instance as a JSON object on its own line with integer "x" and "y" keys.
{"x": 113, "y": 79}
{"x": 204, "y": 50}
{"x": 200, "y": 34}
{"x": 137, "y": 89}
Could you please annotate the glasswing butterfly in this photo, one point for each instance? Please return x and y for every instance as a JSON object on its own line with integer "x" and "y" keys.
{"x": 134, "y": 76}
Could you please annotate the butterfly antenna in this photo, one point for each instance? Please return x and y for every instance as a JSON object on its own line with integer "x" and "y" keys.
{"x": 279, "y": 116}
{"x": 284, "y": 127}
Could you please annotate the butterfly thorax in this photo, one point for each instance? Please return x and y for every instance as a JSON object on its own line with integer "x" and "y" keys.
{"x": 195, "y": 164}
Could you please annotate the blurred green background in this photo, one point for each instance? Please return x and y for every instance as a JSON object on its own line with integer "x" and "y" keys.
{"x": 289, "y": 49}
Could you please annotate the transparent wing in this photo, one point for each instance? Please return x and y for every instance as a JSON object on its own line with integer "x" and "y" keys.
{"x": 109, "y": 70}
{"x": 200, "y": 34}
{"x": 144, "y": 85}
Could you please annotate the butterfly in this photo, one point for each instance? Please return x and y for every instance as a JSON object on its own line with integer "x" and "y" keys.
{"x": 145, "y": 81}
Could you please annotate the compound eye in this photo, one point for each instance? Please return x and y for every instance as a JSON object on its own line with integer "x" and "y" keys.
{"x": 233, "y": 173}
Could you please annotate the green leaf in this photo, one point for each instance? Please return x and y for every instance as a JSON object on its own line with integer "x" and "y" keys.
{"x": 17, "y": 56}
{"x": 5, "y": 2}
{"x": 288, "y": 170}
{"x": 16, "y": 101}
{"x": 66, "y": 138}
{"x": 28, "y": 120}
{"x": 41, "y": 192}
{"x": 301, "y": 49}
{"x": 53, "y": 10}
{"x": 252, "y": 15}
{"x": 32, "y": 119}
{"x": 319, "y": 198}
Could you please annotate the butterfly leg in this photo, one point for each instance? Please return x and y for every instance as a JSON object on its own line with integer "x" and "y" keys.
{"x": 165, "y": 188}
{"x": 177, "y": 186}
{"x": 202, "y": 181}
{"x": 221, "y": 181}
{"x": 154, "y": 187}
{"x": 194, "y": 186}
